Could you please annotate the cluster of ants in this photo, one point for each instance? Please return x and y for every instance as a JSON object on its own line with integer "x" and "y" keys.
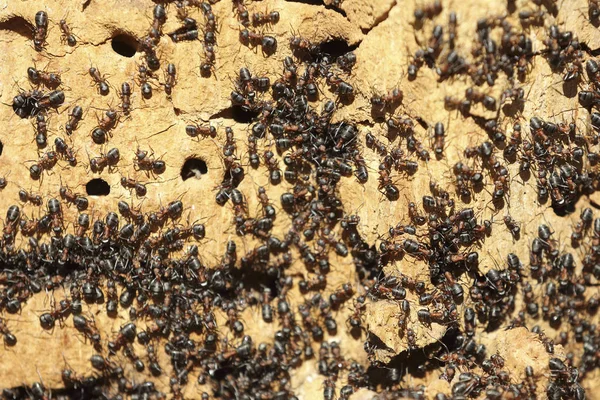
{"x": 487, "y": 58}
{"x": 557, "y": 152}
{"x": 138, "y": 261}
{"x": 37, "y": 104}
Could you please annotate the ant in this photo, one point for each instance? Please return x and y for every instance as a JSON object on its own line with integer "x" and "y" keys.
{"x": 514, "y": 94}
{"x": 387, "y": 102}
{"x": 89, "y": 329}
{"x": 110, "y": 159}
{"x": 105, "y": 125}
{"x": 26, "y": 196}
{"x": 159, "y": 18}
{"x": 385, "y": 183}
{"x": 230, "y": 147}
{"x": 126, "y": 334}
{"x": 170, "y": 79}
{"x": 475, "y": 96}
{"x": 49, "y": 79}
{"x": 146, "y": 162}
{"x": 67, "y": 194}
{"x": 594, "y": 10}
{"x": 428, "y": 12}
{"x": 131, "y": 213}
{"x": 452, "y": 103}
{"x": 513, "y": 226}
{"x": 439, "y": 138}
{"x": 528, "y": 17}
{"x": 208, "y": 65}
{"x": 204, "y": 130}
{"x": 143, "y": 77}
{"x": 46, "y": 162}
{"x": 48, "y": 319}
{"x": 125, "y": 96}
{"x": 242, "y": 13}
{"x": 64, "y": 150}
{"x": 343, "y": 89}
{"x": 254, "y": 39}
{"x": 372, "y": 142}
{"x": 41, "y": 127}
{"x": 300, "y": 44}
{"x": 140, "y": 188}
{"x": 99, "y": 80}
{"x": 41, "y": 30}
{"x": 417, "y": 62}
{"x": 414, "y": 215}
{"x": 13, "y": 217}
{"x": 9, "y": 338}
{"x": 74, "y": 117}
{"x": 260, "y": 18}
{"x": 83, "y": 224}
{"x": 67, "y": 35}
{"x": 253, "y": 157}
{"x": 273, "y": 166}
{"x": 346, "y": 62}
{"x": 403, "y": 124}
{"x": 452, "y": 24}
{"x": 191, "y": 34}
{"x": 3, "y": 182}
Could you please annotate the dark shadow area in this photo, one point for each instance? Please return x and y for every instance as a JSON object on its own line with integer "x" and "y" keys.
{"x": 225, "y": 114}
{"x": 309, "y": 2}
{"x": 257, "y": 279}
{"x": 82, "y": 387}
{"x": 550, "y": 6}
{"x": 422, "y": 122}
{"x": 511, "y": 6}
{"x": 18, "y": 25}
{"x": 564, "y": 210}
{"x": 513, "y": 109}
{"x": 570, "y": 88}
{"x": 415, "y": 362}
{"x": 243, "y": 115}
{"x": 336, "y": 47}
{"x": 331, "y": 6}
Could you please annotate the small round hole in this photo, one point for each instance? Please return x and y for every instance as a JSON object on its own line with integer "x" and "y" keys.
{"x": 193, "y": 168}
{"x": 124, "y": 45}
{"x": 335, "y": 47}
{"x": 97, "y": 187}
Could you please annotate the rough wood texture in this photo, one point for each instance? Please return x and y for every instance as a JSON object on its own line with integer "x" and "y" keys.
{"x": 384, "y": 38}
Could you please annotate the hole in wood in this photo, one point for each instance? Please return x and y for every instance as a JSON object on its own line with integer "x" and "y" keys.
{"x": 97, "y": 187}
{"x": 193, "y": 168}
{"x": 124, "y": 45}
